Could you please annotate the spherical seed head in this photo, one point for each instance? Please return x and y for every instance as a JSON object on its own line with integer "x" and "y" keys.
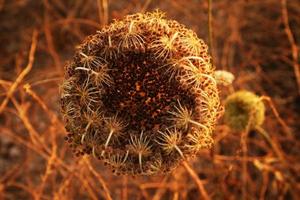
{"x": 241, "y": 107}
{"x": 152, "y": 81}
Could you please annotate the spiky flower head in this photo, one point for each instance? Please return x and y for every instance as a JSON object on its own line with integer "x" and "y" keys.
{"x": 244, "y": 108}
{"x": 140, "y": 95}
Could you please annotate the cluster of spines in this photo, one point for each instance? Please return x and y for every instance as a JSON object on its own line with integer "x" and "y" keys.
{"x": 183, "y": 57}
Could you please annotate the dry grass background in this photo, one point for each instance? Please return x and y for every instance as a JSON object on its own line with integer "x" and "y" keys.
{"x": 257, "y": 40}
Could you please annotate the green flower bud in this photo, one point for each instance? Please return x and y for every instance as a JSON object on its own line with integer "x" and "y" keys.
{"x": 242, "y": 106}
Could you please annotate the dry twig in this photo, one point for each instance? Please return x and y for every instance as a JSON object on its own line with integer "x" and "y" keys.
{"x": 23, "y": 73}
{"x": 294, "y": 47}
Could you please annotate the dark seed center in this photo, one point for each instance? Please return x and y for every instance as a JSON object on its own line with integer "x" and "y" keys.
{"x": 142, "y": 93}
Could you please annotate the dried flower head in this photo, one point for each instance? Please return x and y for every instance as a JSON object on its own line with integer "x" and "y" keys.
{"x": 244, "y": 108}
{"x": 140, "y": 95}
{"x": 223, "y": 77}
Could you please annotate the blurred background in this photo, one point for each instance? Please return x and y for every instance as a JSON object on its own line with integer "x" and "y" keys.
{"x": 256, "y": 40}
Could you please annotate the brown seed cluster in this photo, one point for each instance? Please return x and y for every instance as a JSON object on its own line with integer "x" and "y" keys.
{"x": 140, "y": 95}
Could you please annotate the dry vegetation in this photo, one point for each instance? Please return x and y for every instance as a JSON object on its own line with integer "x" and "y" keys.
{"x": 257, "y": 40}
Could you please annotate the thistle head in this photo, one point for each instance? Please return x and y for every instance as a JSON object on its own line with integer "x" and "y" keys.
{"x": 152, "y": 81}
{"x": 242, "y": 109}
